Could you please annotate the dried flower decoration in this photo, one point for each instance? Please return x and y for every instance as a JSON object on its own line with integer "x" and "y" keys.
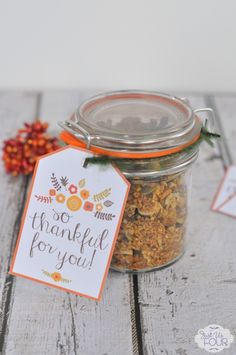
{"x": 21, "y": 152}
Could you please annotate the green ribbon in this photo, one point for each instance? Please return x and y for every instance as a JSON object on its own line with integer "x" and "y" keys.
{"x": 205, "y": 135}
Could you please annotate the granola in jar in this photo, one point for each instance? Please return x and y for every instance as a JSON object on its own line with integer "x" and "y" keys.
{"x": 153, "y": 227}
{"x": 154, "y": 140}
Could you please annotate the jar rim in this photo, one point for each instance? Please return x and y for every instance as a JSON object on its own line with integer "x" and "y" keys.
{"x": 133, "y": 124}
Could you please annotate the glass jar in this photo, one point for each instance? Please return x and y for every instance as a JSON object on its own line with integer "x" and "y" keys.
{"x": 153, "y": 139}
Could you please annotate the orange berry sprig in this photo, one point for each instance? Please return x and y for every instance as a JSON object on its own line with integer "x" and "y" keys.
{"x": 21, "y": 152}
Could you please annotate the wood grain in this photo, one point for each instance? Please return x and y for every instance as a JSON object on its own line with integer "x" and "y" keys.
{"x": 15, "y": 109}
{"x": 48, "y": 321}
{"x": 200, "y": 288}
{"x": 173, "y": 303}
{"x": 225, "y": 107}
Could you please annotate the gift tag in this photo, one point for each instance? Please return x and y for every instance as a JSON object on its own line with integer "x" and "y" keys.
{"x": 70, "y": 223}
{"x": 225, "y": 201}
{"x": 229, "y": 207}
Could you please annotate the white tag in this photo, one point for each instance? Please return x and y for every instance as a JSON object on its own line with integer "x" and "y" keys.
{"x": 70, "y": 223}
{"x": 229, "y": 207}
{"x": 225, "y": 201}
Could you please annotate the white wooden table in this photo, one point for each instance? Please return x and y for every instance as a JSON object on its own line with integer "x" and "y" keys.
{"x": 156, "y": 313}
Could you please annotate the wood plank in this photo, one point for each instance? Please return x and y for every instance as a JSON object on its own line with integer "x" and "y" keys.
{"x": 48, "y": 321}
{"x": 226, "y": 110}
{"x": 15, "y": 109}
{"x": 200, "y": 288}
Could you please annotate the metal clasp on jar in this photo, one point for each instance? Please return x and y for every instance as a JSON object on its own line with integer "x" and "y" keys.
{"x": 208, "y": 110}
{"x": 211, "y": 115}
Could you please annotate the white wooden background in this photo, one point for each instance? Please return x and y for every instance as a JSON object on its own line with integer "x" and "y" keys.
{"x": 156, "y": 313}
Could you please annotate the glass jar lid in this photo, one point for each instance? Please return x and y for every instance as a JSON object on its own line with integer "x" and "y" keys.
{"x": 134, "y": 124}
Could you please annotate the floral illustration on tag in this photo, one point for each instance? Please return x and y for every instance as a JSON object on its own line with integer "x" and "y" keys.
{"x": 44, "y": 199}
{"x": 57, "y": 186}
{"x": 56, "y": 276}
{"x": 70, "y": 223}
{"x": 102, "y": 195}
{"x": 76, "y": 196}
{"x": 64, "y": 181}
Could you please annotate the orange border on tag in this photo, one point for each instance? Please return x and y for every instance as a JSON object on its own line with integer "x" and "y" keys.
{"x": 219, "y": 188}
{"x": 224, "y": 203}
{"x": 218, "y": 192}
{"x": 23, "y": 221}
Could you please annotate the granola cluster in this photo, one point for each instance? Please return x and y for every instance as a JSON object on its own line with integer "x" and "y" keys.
{"x": 153, "y": 226}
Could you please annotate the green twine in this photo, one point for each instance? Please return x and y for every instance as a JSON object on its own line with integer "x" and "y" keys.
{"x": 205, "y": 135}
